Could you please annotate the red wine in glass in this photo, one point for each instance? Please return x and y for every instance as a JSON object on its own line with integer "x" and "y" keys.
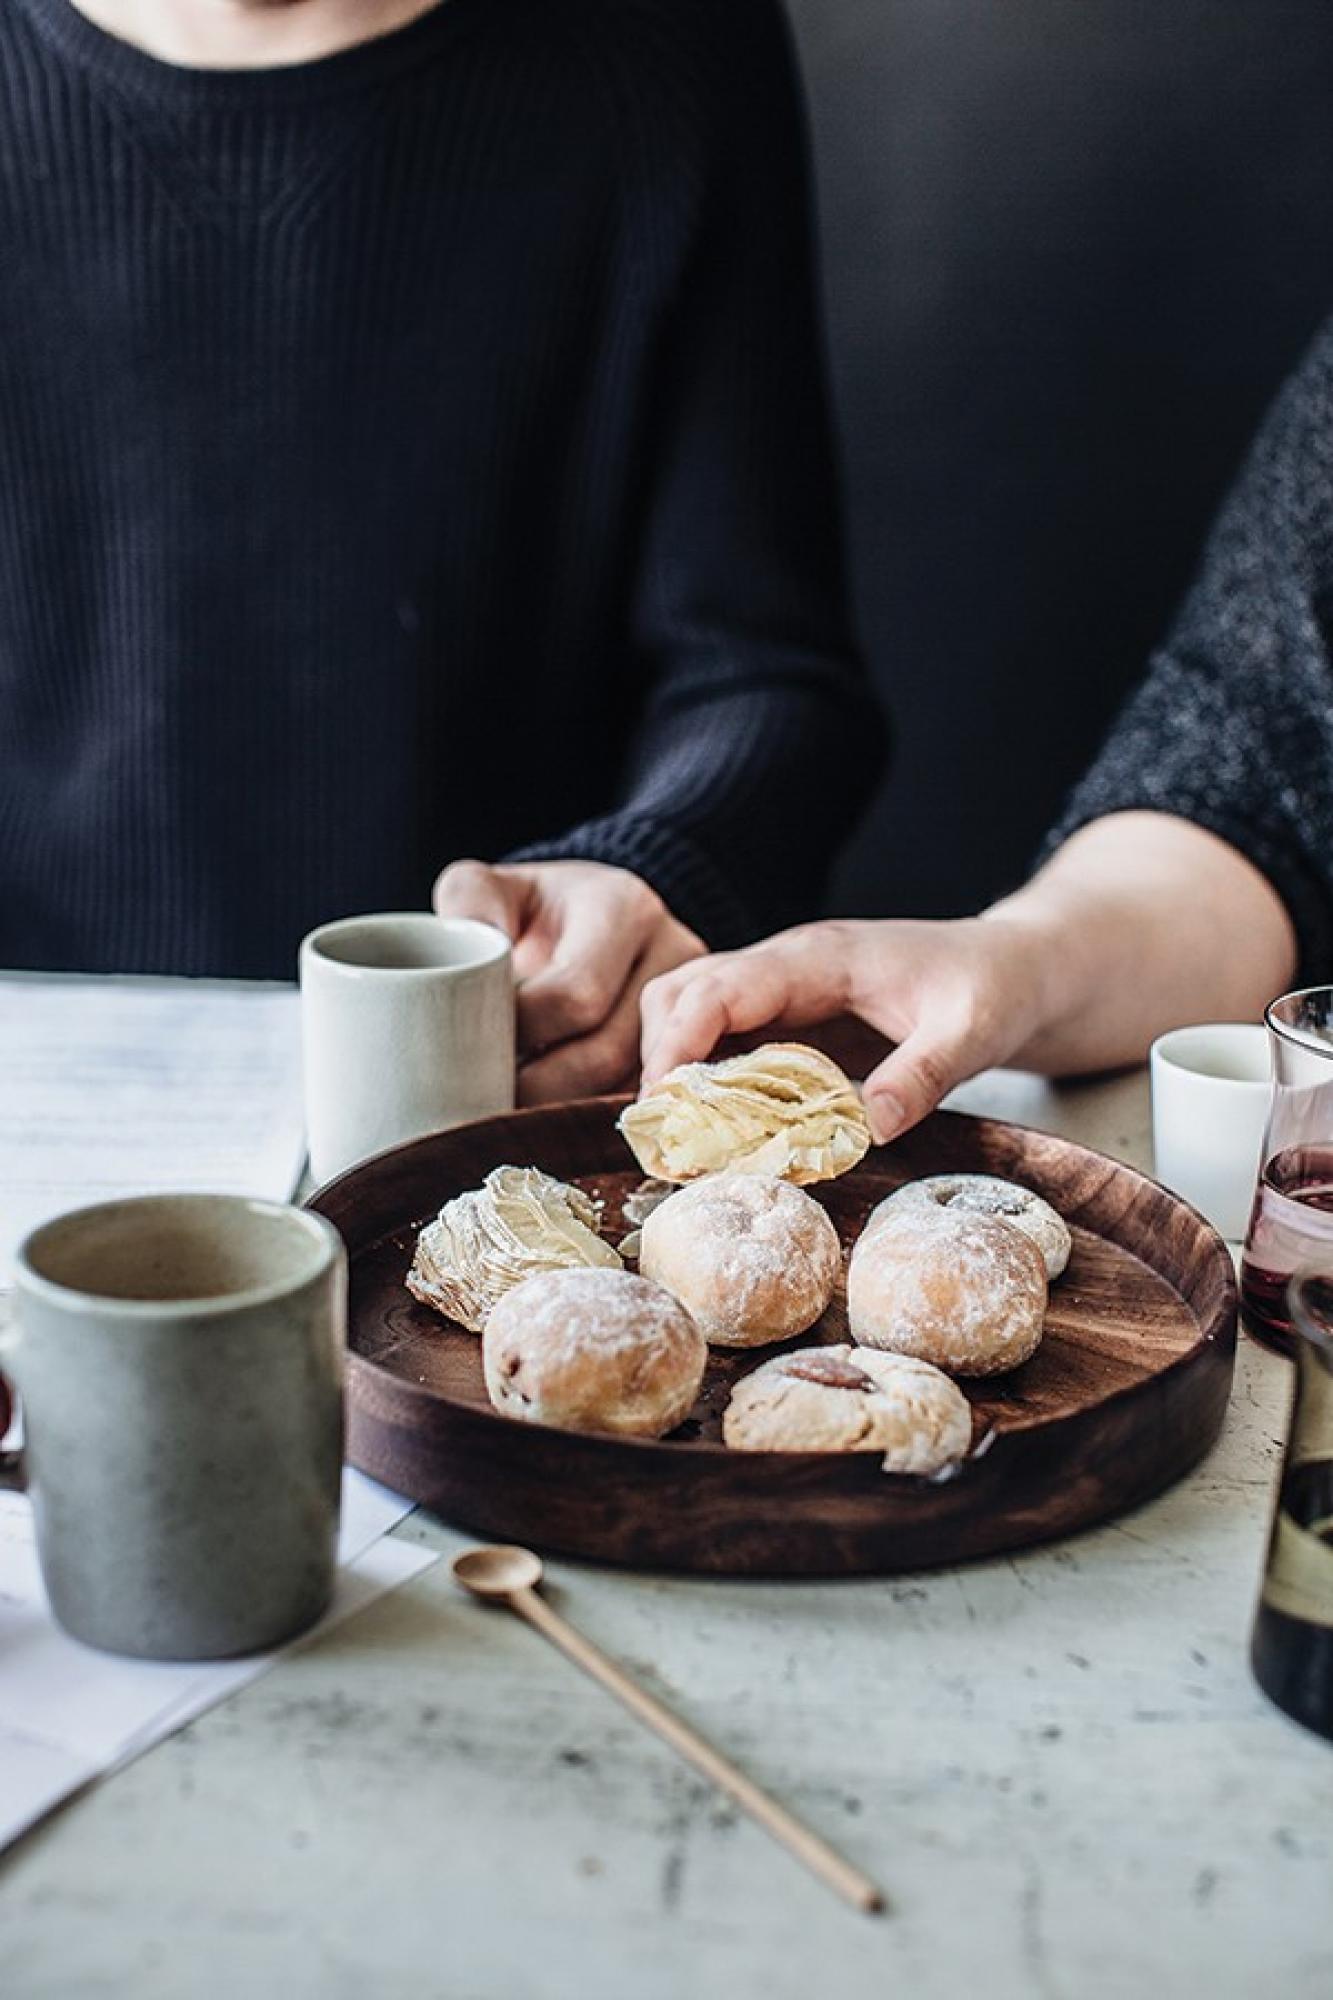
{"x": 1291, "y": 1224}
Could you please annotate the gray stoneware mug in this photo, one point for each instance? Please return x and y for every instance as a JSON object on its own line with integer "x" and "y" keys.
{"x": 180, "y": 1361}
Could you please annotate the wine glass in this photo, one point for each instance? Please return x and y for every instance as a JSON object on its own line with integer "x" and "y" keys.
{"x": 1291, "y": 1222}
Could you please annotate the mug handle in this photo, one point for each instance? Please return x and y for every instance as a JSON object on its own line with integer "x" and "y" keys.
{"x": 12, "y": 1475}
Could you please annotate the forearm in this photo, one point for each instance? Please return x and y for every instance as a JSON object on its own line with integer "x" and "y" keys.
{"x": 1140, "y": 922}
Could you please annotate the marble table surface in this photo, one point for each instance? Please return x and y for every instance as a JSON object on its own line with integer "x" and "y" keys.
{"x": 1057, "y": 1764}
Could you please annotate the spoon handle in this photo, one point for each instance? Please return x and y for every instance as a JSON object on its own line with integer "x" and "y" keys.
{"x": 807, "y": 1847}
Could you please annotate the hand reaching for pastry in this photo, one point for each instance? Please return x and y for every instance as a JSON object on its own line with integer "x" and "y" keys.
{"x": 587, "y": 940}
{"x": 1127, "y": 930}
{"x": 956, "y": 997}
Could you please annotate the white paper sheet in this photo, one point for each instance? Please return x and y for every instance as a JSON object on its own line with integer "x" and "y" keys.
{"x": 69, "y": 1714}
{"x": 127, "y": 1086}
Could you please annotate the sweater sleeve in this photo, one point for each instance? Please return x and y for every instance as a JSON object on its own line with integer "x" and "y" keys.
{"x": 757, "y": 741}
{"x": 1233, "y": 725}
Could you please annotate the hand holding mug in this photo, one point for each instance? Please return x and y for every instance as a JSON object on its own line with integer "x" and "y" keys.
{"x": 588, "y": 938}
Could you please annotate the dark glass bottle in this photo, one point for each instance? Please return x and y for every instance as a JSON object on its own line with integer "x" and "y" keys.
{"x": 1292, "y": 1648}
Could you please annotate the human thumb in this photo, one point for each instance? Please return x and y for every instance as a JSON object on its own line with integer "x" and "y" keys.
{"x": 908, "y": 1084}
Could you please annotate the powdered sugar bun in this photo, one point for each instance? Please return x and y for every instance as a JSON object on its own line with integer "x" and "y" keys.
{"x": 851, "y": 1399}
{"x": 593, "y": 1350}
{"x": 988, "y": 1194}
{"x": 965, "y": 1291}
{"x": 753, "y": 1259}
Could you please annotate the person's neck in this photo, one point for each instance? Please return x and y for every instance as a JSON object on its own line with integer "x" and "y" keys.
{"x": 248, "y": 34}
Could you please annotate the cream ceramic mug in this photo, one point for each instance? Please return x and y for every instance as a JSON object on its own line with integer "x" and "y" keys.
{"x": 407, "y": 1028}
{"x": 1211, "y": 1088}
{"x": 180, "y": 1361}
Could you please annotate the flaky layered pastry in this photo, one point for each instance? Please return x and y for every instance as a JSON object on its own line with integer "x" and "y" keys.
{"x": 783, "y": 1110}
{"x": 518, "y": 1223}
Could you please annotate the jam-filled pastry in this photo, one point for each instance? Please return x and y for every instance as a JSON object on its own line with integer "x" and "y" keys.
{"x": 852, "y": 1399}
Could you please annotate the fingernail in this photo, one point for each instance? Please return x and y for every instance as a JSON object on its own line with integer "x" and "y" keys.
{"x": 886, "y": 1116}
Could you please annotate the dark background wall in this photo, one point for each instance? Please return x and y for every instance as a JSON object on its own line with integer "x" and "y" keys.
{"x": 1071, "y": 248}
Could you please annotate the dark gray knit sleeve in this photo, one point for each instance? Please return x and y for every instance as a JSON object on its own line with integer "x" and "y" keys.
{"x": 1233, "y": 726}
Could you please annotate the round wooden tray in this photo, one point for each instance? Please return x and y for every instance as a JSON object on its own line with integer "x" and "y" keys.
{"x": 1127, "y": 1390}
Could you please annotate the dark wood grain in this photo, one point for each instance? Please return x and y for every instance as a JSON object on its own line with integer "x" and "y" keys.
{"x": 1127, "y": 1390}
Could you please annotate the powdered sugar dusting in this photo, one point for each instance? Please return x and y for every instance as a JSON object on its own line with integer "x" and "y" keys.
{"x": 593, "y": 1350}
{"x": 987, "y": 1194}
{"x": 753, "y": 1259}
{"x": 964, "y": 1291}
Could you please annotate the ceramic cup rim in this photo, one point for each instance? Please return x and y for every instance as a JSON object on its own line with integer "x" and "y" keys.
{"x": 1167, "y": 1051}
{"x": 491, "y": 945}
{"x": 322, "y": 1240}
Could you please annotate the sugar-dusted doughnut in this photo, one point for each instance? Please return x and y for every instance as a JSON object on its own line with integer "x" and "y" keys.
{"x": 851, "y": 1399}
{"x": 965, "y": 1291}
{"x": 593, "y": 1351}
{"x": 751, "y": 1258}
{"x": 987, "y": 1194}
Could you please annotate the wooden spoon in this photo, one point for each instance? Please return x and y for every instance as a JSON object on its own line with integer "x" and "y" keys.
{"x": 510, "y": 1576}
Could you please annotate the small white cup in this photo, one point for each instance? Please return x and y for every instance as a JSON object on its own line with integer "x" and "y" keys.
{"x": 1211, "y": 1087}
{"x": 407, "y": 1028}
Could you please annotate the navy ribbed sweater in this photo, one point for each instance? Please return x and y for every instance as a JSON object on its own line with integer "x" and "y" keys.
{"x": 415, "y": 453}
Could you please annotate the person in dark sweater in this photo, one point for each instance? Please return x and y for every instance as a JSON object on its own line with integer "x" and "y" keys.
{"x": 415, "y": 447}
{"x": 1191, "y": 877}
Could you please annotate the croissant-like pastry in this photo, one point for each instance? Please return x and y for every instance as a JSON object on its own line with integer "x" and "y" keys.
{"x": 483, "y": 1243}
{"x": 784, "y": 1110}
